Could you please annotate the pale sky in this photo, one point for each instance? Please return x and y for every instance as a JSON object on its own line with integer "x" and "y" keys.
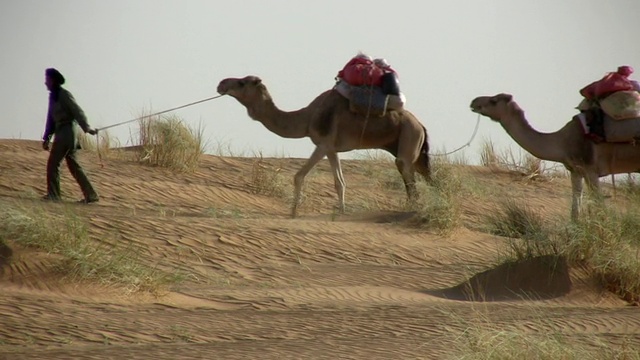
{"x": 121, "y": 57}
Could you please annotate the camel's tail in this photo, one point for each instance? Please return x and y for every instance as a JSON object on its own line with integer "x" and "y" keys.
{"x": 422, "y": 165}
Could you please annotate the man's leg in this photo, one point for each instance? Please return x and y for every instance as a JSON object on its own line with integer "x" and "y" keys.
{"x": 78, "y": 173}
{"x": 56, "y": 154}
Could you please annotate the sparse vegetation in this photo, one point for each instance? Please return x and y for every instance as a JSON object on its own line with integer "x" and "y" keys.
{"x": 168, "y": 142}
{"x": 608, "y": 241}
{"x": 630, "y": 187}
{"x": 268, "y": 180}
{"x": 181, "y": 333}
{"x": 483, "y": 339}
{"x": 439, "y": 206}
{"x": 241, "y": 263}
{"x": 219, "y": 213}
{"x": 604, "y": 240}
{"x": 524, "y": 163}
{"x": 529, "y": 237}
{"x": 81, "y": 257}
{"x": 488, "y": 154}
{"x": 101, "y": 142}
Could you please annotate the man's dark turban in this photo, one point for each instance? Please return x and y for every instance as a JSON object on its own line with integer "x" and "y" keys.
{"x": 55, "y": 75}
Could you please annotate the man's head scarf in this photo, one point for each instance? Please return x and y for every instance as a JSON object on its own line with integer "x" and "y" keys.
{"x": 55, "y": 75}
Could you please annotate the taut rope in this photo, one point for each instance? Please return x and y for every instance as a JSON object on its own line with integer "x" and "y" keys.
{"x": 143, "y": 117}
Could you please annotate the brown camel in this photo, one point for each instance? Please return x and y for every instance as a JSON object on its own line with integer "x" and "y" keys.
{"x": 333, "y": 128}
{"x": 582, "y": 157}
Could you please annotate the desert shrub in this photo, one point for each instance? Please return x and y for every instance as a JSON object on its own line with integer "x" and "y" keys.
{"x": 102, "y": 141}
{"x": 488, "y": 154}
{"x": 608, "y": 242}
{"x": 268, "y": 180}
{"x": 439, "y": 206}
{"x": 604, "y": 240}
{"x": 167, "y": 141}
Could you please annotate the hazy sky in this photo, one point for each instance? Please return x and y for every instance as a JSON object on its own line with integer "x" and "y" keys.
{"x": 121, "y": 57}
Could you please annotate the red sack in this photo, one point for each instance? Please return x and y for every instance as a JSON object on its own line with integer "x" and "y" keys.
{"x": 610, "y": 83}
{"x": 361, "y": 71}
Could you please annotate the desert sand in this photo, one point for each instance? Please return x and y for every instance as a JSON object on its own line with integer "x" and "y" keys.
{"x": 259, "y": 285}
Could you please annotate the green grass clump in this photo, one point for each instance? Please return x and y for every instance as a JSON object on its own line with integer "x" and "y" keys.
{"x": 439, "y": 206}
{"x": 81, "y": 257}
{"x": 604, "y": 240}
{"x": 608, "y": 241}
{"x": 528, "y": 235}
{"x": 490, "y": 342}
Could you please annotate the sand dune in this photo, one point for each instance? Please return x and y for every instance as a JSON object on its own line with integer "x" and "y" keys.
{"x": 258, "y": 285}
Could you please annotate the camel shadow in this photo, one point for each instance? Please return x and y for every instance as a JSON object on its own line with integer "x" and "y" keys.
{"x": 5, "y": 255}
{"x": 539, "y": 278}
{"x": 377, "y": 217}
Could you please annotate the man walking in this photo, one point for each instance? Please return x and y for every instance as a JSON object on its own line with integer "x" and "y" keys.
{"x": 63, "y": 112}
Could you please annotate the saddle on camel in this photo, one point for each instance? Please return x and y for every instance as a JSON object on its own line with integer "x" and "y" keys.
{"x": 610, "y": 110}
{"x": 371, "y": 86}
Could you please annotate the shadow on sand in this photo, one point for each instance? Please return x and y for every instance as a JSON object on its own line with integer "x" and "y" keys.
{"x": 378, "y": 217}
{"x": 5, "y": 255}
{"x": 544, "y": 277}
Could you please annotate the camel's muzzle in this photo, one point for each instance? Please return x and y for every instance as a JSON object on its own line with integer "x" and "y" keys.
{"x": 222, "y": 89}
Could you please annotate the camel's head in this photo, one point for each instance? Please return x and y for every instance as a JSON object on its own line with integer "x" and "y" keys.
{"x": 245, "y": 88}
{"x": 493, "y": 107}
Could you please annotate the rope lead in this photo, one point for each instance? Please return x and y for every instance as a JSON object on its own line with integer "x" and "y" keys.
{"x": 140, "y": 118}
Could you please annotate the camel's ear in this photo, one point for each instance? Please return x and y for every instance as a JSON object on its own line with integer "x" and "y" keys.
{"x": 256, "y": 80}
{"x": 500, "y": 98}
{"x": 504, "y": 97}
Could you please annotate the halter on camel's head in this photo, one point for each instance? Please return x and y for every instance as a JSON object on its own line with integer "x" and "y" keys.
{"x": 493, "y": 106}
{"x": 242, "y": 88}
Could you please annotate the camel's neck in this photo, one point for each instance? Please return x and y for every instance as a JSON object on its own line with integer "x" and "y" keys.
{"x": 545, "y": 146}
{"x": 293, "y": 124}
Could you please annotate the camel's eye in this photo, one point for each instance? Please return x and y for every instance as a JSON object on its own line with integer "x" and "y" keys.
{"x": 241, "y": 83}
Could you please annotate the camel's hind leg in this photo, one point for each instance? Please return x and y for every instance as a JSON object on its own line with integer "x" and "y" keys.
{"x": 338, "y": 179}
{"x": 408, "y": 176}
{"x": 298, "y": 179}
{"x": 409, "y": 149}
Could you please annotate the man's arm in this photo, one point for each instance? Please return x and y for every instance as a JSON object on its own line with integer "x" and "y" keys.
{"x": 49, "y": 127}
{"x": 76, "y": 111}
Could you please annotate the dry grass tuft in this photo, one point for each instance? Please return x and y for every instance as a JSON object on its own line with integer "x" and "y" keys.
{"x": 166, "y": 141}
{"x": 439, "y": 206}
{"x": 488, "y": 154}
{"x": 524, "y": 163}
{"x": 268, "y": 180}
{"x": 101, "y": 142}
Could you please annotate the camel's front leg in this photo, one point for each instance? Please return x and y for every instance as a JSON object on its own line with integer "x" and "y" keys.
{"x": 576, "y": 194}
{"x": 338, "y": 179}
{"x": 298, "y": 179}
